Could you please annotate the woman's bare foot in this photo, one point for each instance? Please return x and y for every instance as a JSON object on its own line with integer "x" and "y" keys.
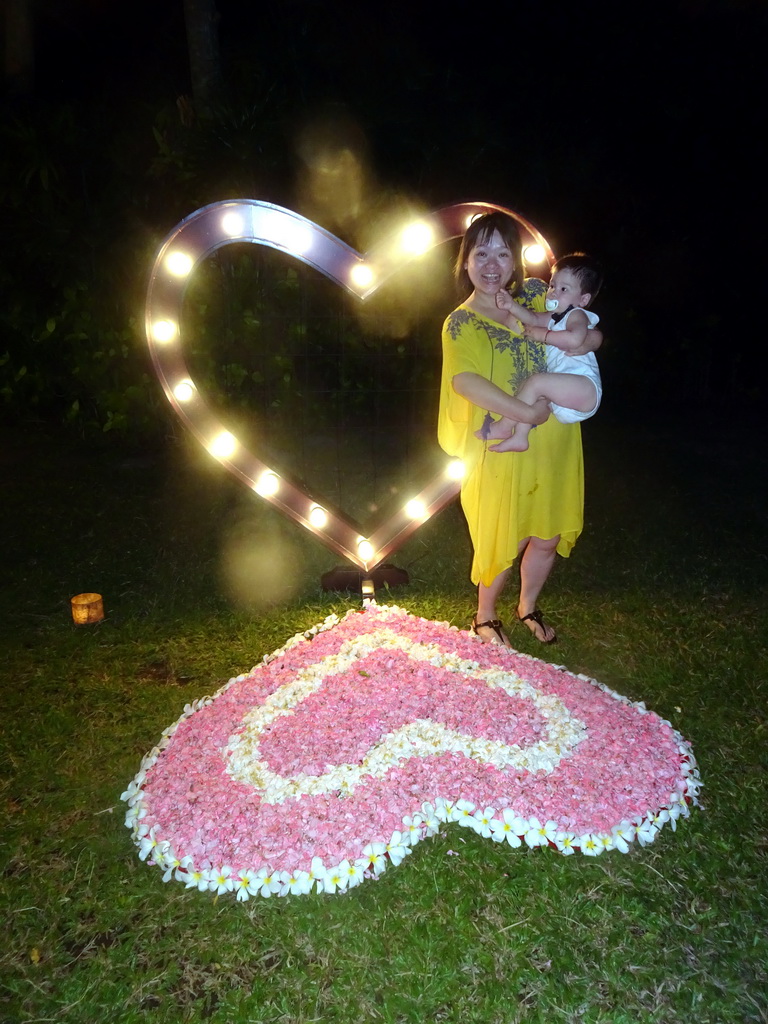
{"x": 535, "y": 622}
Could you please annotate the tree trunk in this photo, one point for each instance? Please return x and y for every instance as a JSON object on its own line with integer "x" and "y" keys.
{"x": 19, "y": 55}
{"x": 202, "y": 22}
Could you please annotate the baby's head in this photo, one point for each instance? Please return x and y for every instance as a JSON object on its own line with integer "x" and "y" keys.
{"x": 576, "y": 280}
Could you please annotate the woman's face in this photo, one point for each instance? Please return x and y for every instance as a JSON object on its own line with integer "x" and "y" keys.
{"x": 490, "y": 265}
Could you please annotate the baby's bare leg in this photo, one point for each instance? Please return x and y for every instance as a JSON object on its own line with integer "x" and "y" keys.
{"x": 571, "y": 390}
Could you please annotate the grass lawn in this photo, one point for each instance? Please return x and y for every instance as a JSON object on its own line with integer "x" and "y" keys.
{"x": 663, "y": 600}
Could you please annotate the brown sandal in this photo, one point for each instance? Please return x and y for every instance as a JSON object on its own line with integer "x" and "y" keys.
{"x": 538, "y": 618}
{"x": 496, "y": 626}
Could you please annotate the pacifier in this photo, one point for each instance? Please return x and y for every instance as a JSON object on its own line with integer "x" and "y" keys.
{"x": 551, "y": 305}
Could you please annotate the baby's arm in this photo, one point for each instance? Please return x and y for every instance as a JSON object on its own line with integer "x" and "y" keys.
{"x": 574, "y": 339}
{"x": 517, "y": 312}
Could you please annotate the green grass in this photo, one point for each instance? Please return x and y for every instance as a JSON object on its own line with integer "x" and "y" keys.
{"x": 663, "y": 600}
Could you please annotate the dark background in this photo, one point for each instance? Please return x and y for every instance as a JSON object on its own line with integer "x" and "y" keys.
{"x": 632, "y": 131}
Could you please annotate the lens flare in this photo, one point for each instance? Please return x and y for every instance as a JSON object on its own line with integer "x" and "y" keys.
{"x": 417, "y": 238}
{"x": 267, "y": 484}
{"x": 179, "y": 263}
{"x": 455, "y": 469}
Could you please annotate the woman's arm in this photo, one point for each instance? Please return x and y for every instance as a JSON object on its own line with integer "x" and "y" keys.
{"x": 486, "y": 395}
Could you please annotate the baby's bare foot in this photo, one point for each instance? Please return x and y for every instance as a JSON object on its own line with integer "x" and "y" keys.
{"x": 496, "y": 431}
{"x": 517, "y": 443}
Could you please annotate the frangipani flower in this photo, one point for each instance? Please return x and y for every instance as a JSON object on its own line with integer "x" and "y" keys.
{"x": 431, "y": 820}
{"x": 266, "y": 883}
{"x": 147, "y": 841}
{"x": 172, "y": 865}
{"x": 510, "y": 827}
{"x": 540, "y": 835}
{"x": 623, "y": 835}
{"x": 605, "y": 839}
{"x": 464, "y": 813}
{"x": 397, "y": 848}
{"x": 484, "y": 822}
{"x": 646, "y": 831}
{"x": 337, "y": 878}
{"x": 565, "y": 842}
{"x": 197, "y": 878}
{"x": 376, "y": 856}
{"x": 299, "y": 883}
{"x": 317, "y": 873}
{"x": 590, "y": 846}
{"x": 220, "y": 880}
{"x": 445, "y": 810}
{"x": 355, "y": 873}
{"x": 413, "y": 828}
{"x": 243, "y": 884}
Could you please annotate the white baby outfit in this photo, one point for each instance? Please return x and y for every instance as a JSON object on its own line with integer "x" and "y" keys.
{"x": 586, "y": 366}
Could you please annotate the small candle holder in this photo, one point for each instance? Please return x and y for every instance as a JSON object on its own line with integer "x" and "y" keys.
{"x": 87, "y": 608}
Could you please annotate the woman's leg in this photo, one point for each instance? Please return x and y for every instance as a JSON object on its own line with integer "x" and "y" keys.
{"x": 487, "y": 598}
{"x": 538, "y": 557}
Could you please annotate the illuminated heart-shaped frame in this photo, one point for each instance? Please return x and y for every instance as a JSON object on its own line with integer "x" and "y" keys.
{"x": 250, "y": 220}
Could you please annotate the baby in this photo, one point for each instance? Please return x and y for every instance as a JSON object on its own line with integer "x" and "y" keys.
{"x": 572, "y": 382}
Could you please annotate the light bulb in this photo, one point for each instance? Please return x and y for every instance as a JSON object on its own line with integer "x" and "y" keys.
{"x": 184, "y": 390}
{"x": 223, "y": 445}
{"x": 232, "y": 224}
{"x": 164, "y": 330}
{"x": 365, "y": 549}
{"x": 416, "y": 509}
{"x": 318, "y": 517}
{"x": 534, "y": 254}
{"x": 179, "y": 263}
{"x": 267, "y": 484}
{"x": 361, "y": 275}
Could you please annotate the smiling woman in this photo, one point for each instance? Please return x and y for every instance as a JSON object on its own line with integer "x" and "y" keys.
{"x": 527, "y": 504}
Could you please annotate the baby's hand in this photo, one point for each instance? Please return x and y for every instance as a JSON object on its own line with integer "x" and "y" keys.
{"x": 504, "y": 300}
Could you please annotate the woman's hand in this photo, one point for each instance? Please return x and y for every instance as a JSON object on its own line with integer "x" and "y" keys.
{"x": 541, "y": 411}
{"x": 591, "y": 343}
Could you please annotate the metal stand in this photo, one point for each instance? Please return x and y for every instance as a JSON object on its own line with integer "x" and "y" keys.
{"x": 358, "y": 581}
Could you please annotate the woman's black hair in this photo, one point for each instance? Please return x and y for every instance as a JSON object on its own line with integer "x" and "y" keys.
{"x": 480, "y": 232}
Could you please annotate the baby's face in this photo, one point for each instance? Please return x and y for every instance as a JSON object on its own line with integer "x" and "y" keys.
{"x": 564, "y": 288}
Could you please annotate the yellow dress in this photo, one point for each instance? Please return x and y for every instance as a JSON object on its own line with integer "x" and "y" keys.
{"x": 513, "y": 495}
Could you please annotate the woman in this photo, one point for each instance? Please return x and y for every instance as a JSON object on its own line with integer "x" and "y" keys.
{"x": 528, "y": 504}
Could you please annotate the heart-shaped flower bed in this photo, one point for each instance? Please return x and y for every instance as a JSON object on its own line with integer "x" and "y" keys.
{"x": 335, "y": 756}
{"x": 263, "y": 224}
